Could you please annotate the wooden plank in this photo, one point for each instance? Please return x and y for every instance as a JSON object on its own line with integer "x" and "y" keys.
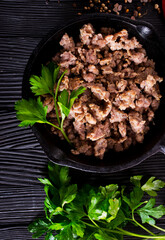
{"x": 22, "y": 168}
{"x": 16, "y": 233}
{"x": 21, "y": 205}
{"x": 14, "y": 57}
{"x": 15, "y": 54}
{"x": 22, "y": 159}
{"x": 33, "y": 18}
{"x": 12, "y": 136}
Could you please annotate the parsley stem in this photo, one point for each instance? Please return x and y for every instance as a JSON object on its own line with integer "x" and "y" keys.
{"x": 88, "y": 224}
{"x": 145, "y": 229}
{"x": 53, "y": 125}
{"x": 56, "y": 110}
{"x": 159, "y": 228}
{"x": 55, "y": 97}
{"x": 61, "y": 129}
{"x": 93, "y": 221}
{"x": 65, "y": 136}
{"x": 124, "y": 232}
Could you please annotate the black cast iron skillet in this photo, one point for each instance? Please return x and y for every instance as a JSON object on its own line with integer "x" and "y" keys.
{"x": 59, "y": 151}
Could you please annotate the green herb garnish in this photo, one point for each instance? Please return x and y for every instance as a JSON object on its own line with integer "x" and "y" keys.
{"x": 32, "y": 111}
{"x": 65, "y": 102}
{"x": 89, "y": 213}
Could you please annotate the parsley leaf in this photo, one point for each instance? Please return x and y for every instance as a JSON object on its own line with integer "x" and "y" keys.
{"x": 134, "y": 199}
{"x": 54, "y": 70}
{"x": 44, "y": 84}
{"x": 67, "y": 194}
{"x": 152, "y": 186}
{"x": 136, "y": 180}
{"x": 63, "y": 98}
{"x": 52, "y": 206}
{"x": 65, "y": 233}
{"x": 39, "y": 227}
{"x": 118, "y": 220}
{"x": 114, "y": 206}
{"x": 74, "y": 95}
{"x": 45, "y": 181}
{"x": 30, "y": 112}
{"x": 109, "y": 191}
{"x": 54, "y": 172}
{"x": 49, "y": 236}
{"x": 97, "y": 207}
{"x": 76, "y": 208}
{"x": 64, "y": 176}
{"x": 58, "y": 175}
{"x": 103, "y": 236}
{"x": 65, "y": 102}
{"x": 148, "y": 211}
{"x": 59, "y": 226}
{"x": 78, "y": 228}
{"x": 39, "y": 85}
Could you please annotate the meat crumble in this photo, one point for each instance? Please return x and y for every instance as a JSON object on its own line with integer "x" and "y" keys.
{"x": 122, "y": 90}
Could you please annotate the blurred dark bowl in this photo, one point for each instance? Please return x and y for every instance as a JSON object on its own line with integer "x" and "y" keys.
{"x": 59, "y": 151}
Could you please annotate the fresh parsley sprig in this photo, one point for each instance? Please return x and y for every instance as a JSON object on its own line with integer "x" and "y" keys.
{"x": 65, "y": 102}
{"x": 89, "y": 213}
{"x": 46, "y": 82}
{"x": 32, "y": 111}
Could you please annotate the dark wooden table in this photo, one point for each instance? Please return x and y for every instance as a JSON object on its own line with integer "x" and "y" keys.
{"x": 22, "y": 24}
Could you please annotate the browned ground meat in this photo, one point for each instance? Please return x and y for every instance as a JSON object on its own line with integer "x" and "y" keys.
{"x": 122, "y": 90}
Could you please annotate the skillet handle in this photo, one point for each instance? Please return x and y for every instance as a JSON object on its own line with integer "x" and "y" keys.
{"x": 162, "y": 146}
{"x": 149, "y": 33}
{"x": 146, "y": 31}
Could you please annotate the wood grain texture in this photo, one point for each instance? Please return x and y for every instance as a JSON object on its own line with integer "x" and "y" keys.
{"x": 15, "y": 54}
{"x": 16, "y": 233}
{"x": 10, "y": 89}
{"x": 12, "y": 136}
{"x": 22, "y": 168}
{"x": 14, "y": 57}
{"x": 40, "y": 18}
{"x": 20, "y": 205}
{"x": 21, "y": 233}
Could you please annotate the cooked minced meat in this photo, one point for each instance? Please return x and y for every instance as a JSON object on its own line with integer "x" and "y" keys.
{"x": 122, "y": 91}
